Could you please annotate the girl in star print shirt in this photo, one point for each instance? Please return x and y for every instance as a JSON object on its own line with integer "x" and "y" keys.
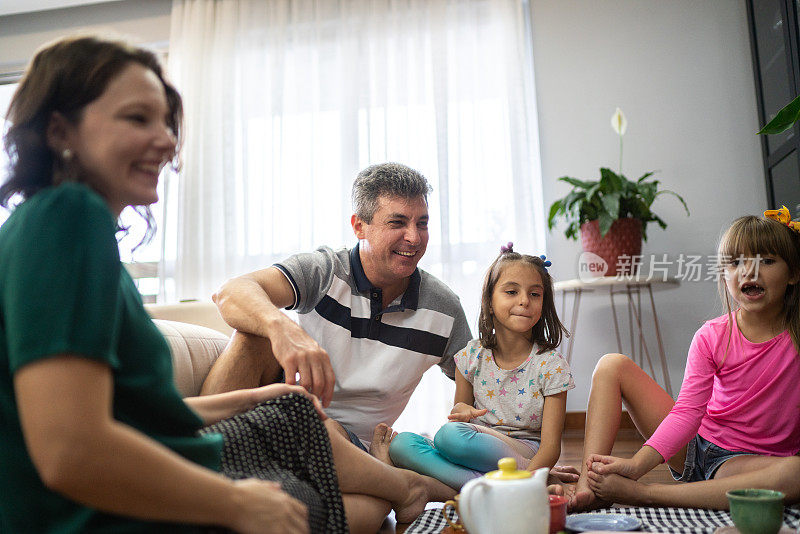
{"x": 511, "y": 384}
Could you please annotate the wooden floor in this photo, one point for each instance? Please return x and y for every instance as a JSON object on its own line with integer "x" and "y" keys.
{"x": 628, "y": 442}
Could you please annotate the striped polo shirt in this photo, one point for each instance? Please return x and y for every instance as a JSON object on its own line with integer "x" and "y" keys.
{"x": 378, "y": 355}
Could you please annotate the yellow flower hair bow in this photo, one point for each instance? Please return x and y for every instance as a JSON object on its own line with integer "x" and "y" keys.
{"x": 782, "y": 216}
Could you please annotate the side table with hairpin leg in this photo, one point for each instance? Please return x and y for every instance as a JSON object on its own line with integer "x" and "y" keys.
{"x": 633, "y": 287}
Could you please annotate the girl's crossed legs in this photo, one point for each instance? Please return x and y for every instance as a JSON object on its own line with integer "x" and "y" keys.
{"x": 459, "y": 452}
{"x": 616, "y": 381}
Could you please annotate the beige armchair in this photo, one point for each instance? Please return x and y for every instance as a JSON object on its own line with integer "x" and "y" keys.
{"x": 196, "y": 335}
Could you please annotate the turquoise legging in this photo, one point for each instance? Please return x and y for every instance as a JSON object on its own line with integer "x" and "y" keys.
{"x": 458, "y": 453}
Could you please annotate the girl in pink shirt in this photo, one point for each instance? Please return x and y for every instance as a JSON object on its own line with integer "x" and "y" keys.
{"x": 736, "y": 423}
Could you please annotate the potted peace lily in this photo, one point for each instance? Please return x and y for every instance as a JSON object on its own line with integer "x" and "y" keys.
{"x": 611, "y": 214}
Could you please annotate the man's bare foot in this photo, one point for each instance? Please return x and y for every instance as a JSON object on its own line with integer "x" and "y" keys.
{"x": 421, "y": 490}
{"x": 382, "y": 437}
{"x": 616, "y": 488}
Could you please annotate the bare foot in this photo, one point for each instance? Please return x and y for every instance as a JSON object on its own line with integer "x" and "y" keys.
{"x": 382, "y": 437}
{"x": 583, "y": 499}
{"x": 616, "y": 488}
{"x": 421, "y": 490}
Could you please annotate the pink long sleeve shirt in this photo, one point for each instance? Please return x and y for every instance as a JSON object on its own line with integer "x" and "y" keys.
{"x": 747, "y": 400}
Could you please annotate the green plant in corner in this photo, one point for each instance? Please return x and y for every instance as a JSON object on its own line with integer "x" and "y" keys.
{"x": 784, "y": 119}
{"x": 610, "y": 198}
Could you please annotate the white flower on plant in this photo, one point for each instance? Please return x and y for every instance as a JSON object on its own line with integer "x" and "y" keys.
{"x": 619, "y": 122}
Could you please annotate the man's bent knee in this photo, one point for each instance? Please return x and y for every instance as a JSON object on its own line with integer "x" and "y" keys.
{"x": 246, "y": 362}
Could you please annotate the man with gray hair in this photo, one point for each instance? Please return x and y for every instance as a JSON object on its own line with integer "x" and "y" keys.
{"x": 371, "y": 322}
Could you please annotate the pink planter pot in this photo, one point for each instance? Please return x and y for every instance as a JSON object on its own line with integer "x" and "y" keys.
{"x": 623, "y": 239}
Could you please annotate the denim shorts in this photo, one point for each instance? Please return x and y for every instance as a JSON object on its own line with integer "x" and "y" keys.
{"x": 703, "y": 458}
{"x": 354, "y": 439}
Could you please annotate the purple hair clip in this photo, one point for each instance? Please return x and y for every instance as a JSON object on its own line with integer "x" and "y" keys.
{"x": 509, "y": 247}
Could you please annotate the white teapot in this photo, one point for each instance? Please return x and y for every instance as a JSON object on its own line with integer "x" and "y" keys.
{"x": 510, "y": 501}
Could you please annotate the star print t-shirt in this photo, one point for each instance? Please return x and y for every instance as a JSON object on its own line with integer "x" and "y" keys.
{"x": 514, "y": 398}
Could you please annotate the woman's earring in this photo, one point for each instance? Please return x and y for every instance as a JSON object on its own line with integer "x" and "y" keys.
{"x": 66, "y": 154}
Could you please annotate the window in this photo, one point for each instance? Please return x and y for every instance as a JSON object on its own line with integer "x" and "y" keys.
{"x": 6, "y": 91}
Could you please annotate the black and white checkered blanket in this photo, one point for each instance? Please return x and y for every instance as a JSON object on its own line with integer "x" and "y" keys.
{"x": 666, "y": 520}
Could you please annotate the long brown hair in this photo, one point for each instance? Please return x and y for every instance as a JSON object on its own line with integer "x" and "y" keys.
{"x": 64, "y": 77}
{"x": 751, "y": 236}
{"x": 548, "y": 331}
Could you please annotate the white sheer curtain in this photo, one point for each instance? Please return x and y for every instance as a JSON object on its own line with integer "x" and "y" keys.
{"x": 287, "y": 99}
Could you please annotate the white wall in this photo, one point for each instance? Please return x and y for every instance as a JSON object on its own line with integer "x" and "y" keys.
{"x": 681, "y": 72}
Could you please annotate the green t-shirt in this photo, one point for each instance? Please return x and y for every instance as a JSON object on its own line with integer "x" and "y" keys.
{"x": 64, "y": 290}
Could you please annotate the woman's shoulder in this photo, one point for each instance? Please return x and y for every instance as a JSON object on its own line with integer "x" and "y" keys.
{"x": 78, "y": 197}
{"x": 66, "y": 201}
{"x": 57, "y": 218}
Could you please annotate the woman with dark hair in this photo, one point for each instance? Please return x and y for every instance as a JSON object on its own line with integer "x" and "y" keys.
{"x": 96, "y": 437}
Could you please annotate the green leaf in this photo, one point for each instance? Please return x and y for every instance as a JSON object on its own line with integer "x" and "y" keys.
{"x": 611, "y": 205}
{"x": 586, "y": 212}
{"x": 648, "y": 191}
{"x": 555, "y": 208}
{"x": 592, "y": 192}
{"x": 572, "y": 231}
{"x": 609, "y": 181}
{"x": 685, "y": 207}
{"x": 784, "y": 119}
{"x": 637, "y": 209}
{"x": 645, "y": 176}
{"x": 606, "y": 221}
{"x": 572, "y": 198}
{"x": 577, "y": 183}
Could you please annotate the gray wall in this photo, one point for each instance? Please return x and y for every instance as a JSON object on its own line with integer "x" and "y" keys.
{"x": 681, "y": 72}
{"x": 145, "y": 21}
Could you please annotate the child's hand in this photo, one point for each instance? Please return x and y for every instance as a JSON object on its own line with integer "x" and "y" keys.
{"x": 463, "y": 413}
{"x": 564, "y": 473}
{"x": 606, "y": 465}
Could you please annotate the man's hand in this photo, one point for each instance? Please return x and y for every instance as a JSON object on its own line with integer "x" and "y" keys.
{"x": 251, "y": 304}
{"x": 463, "y": 413}
{"x": 297, "y": 352}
